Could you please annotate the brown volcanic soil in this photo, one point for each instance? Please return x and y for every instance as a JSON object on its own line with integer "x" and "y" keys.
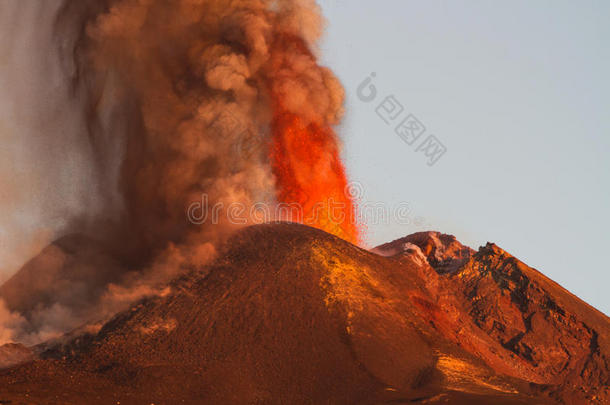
{"x": 292, "y": 315}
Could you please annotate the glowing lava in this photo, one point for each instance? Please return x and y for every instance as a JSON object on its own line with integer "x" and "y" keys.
{"x": 311, "y": 177}
{"x": 305, "y": 157}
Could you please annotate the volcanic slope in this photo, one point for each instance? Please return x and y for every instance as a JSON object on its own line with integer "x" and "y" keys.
{"x": 71, "y": 272}
{"x": 292, "y": 315}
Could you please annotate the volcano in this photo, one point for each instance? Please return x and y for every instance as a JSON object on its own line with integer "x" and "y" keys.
{"x": 289, "y": 314}
{"x": 166, "y": 139}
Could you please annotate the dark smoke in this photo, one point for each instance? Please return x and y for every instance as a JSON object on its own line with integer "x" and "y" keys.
{"x": 134, "y": 109}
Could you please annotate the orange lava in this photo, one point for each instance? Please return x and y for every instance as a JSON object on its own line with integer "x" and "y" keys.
{"x": 311, "y": 177}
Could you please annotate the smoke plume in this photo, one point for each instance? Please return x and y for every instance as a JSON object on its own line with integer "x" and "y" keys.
{"x": 127, "y": 113}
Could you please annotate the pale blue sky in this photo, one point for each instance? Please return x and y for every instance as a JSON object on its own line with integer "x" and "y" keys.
{"x": 518, "y": 93}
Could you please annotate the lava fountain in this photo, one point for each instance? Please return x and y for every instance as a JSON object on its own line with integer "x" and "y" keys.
{"x": 305, "y": 154}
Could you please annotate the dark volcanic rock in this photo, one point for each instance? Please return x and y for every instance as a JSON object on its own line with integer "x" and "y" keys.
{"x": 560, "y": 339}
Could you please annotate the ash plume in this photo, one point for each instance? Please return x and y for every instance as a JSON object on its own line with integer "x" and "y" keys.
{"x": 148, "y": 102}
